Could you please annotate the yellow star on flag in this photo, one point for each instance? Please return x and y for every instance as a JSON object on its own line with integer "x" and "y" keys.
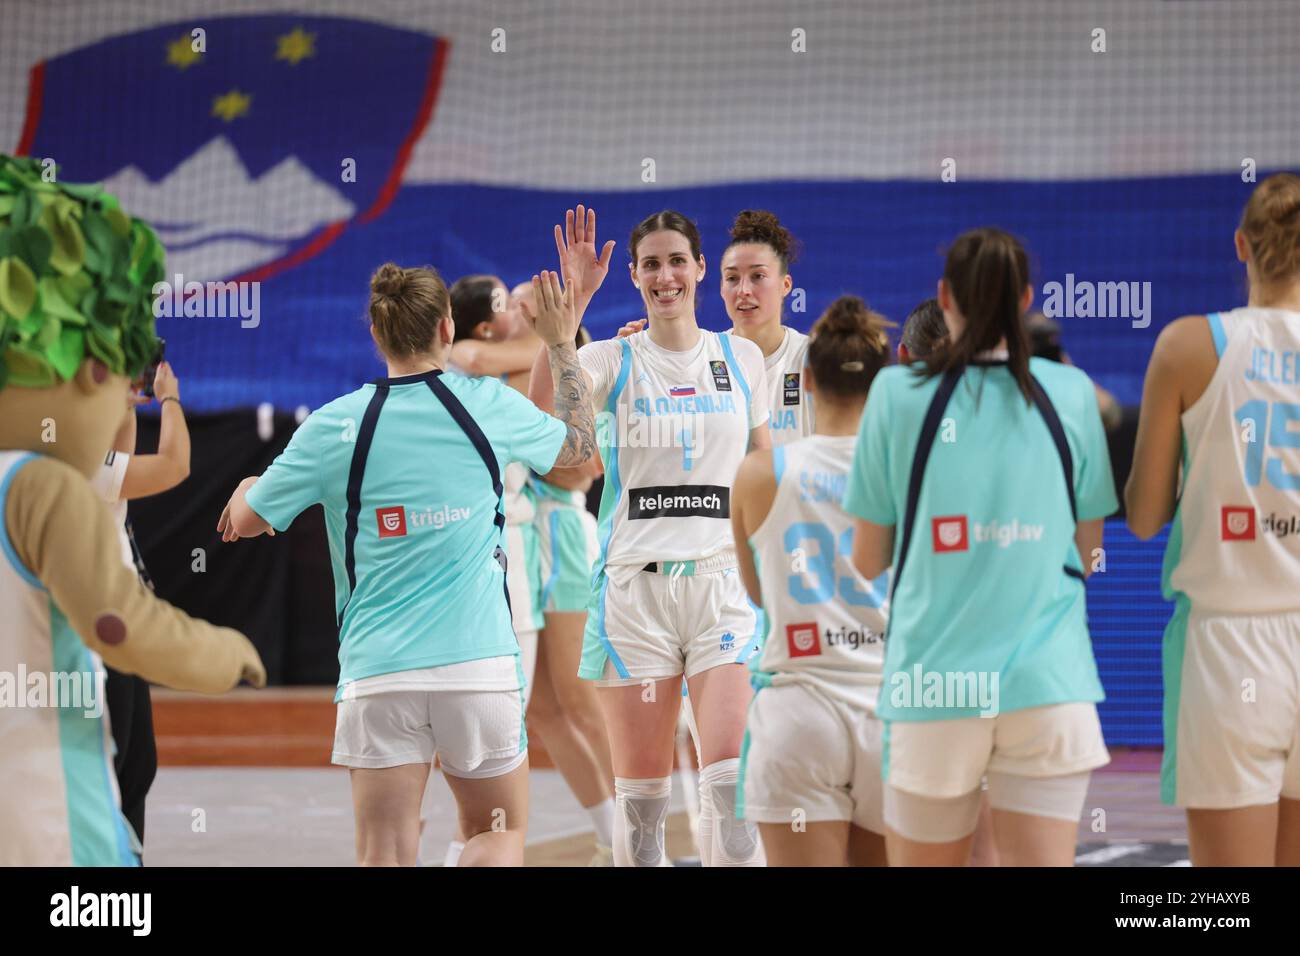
{"x": 295, "y": 46}
{"x": 181, "y": 52}
{"x": 231, "y": 105}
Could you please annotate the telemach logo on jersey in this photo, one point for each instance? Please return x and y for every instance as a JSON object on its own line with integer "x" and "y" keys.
{"x": 679, "y": 501}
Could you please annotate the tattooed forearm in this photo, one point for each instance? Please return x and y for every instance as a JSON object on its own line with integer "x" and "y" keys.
{"x": 572, "y": 406}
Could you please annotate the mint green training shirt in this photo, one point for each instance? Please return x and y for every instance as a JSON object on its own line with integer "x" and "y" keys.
{"x": 983, "y": 590}
{"x": 429, "y": 587}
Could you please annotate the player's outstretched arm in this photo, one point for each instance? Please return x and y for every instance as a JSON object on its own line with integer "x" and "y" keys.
{"x": 557, "y": 324}
{"x": 238, "y": 519}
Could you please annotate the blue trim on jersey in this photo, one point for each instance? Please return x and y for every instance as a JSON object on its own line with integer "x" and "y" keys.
{"x": 743, "y": 766}
{"x": 778, "y": 464}
{"x": 624, "y": 370}
{"x": 604, "y": 634}
{"x": 614, "y": 485}
{"x": 1216, "y": 330}
{"x": 357, "y": 477}
{"x": 8, "y": 547}
{"x": 125, "y": 845}
{"x": 740, "y": 373}
{"x": 554, "y": 576}
{"x": 756, "y": 639}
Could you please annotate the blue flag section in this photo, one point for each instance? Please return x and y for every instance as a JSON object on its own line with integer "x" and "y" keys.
{"x": 251, "y": 144}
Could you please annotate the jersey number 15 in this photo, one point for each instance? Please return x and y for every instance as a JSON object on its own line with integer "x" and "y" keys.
{"x": 1280, "y": 435}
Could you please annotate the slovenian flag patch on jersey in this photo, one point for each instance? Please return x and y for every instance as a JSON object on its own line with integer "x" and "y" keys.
{"x": 682, "y": 391}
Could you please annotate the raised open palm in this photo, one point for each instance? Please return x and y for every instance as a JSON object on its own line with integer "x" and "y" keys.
{"x": 575, "y": 242}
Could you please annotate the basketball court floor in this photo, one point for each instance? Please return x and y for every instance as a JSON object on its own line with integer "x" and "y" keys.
{"x": 245, "y": 780}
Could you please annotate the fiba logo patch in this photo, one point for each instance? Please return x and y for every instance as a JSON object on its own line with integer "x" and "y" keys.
{"x": 721, "y": 376}
{"x": 949, "y": 533}
{"x": 803, "y": 640}
{"x": 1238, "y": 523}
{"x": 391, "y": 521}
{"x": 790, "y": 389}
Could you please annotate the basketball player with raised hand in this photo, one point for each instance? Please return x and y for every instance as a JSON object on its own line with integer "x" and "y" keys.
{"x": 680, "y": 408}
{"x": 813, "y": 741}
{"x": 415, "y": 516}
{"x": 1222, "y": 404}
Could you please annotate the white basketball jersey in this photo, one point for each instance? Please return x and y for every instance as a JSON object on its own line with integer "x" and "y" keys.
{"x": 825, "y": 623}
{"x": 108, "y": 485}
{"x": 790, "y": 405}
{"x": 673, "y": 430}
{"x": 1235, "y": 545}
{"x": 517, "y": 505}
{"x": 58, "y": 792}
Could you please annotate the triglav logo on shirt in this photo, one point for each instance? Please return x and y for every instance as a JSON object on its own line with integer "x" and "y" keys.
{"x": 949, "y": 533}
{"x": 953, "y": 533}
{"x": 803, "y": 640}
{"x": 393, "y": 522}
{"x": 1238, "y": 523}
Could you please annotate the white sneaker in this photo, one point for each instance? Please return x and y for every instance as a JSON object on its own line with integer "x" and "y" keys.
{"x": 604, "y": 856}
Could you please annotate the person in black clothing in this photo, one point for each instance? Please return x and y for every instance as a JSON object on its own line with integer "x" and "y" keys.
{"x": 123, "y": 477}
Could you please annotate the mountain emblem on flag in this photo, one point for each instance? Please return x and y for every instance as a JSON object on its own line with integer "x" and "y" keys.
{"x": 223, "y": 145}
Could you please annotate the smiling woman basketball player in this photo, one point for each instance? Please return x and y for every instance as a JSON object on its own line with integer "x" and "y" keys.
{"x": 682, "y": 406}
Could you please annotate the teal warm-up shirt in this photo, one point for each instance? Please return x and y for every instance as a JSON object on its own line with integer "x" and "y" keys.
{"x": 430, "y": 587}
{"x": 983, "y": 588}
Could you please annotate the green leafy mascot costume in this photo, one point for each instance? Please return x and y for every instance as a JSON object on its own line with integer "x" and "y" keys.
{"x": 76, "y": 327}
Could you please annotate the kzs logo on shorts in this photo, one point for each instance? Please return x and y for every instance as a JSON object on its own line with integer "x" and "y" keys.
{"x": 392, "y": 522}
{"x": 949, "y": 533}
{"x": 804, "y": 640}
{"x": 1238, "y": 523}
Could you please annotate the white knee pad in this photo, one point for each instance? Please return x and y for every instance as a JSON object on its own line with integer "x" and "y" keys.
{"x": 724, "y": 840}
{"x": 930, "y": 819}
{"x": 640, "y": 822}
{"x": 1060, "y": 798}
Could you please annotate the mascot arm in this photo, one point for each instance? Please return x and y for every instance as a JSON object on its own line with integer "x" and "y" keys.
{"x": 66, "y": 537}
